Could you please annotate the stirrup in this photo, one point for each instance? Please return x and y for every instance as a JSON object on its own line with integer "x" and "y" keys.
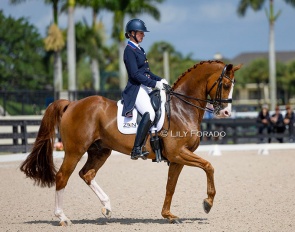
{"x": 138, "y": 153}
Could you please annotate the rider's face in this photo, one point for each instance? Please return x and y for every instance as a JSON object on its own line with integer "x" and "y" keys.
{"x": 139, "y": 36}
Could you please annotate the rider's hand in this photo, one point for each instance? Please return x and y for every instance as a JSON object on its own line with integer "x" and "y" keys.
{"x": 164, "y": 81}
{"x": 159, "y": 85}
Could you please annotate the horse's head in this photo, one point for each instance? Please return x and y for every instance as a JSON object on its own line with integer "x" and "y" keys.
{"x": 220, "y": 89}
{"x": 212, "y": 78}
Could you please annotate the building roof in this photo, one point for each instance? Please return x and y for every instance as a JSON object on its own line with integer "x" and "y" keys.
{"x": 247, "y": 57}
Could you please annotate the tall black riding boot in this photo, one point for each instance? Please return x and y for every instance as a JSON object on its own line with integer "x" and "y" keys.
{"x": 142, "y": 130}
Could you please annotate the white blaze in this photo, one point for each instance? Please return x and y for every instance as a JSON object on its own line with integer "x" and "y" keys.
{"x": 226, "y": 112}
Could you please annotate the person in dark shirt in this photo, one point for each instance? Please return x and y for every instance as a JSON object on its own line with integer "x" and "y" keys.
{"x": 289, "y": 121}
{"x": 277, "y": 122}
{"x": 263, "y": 120}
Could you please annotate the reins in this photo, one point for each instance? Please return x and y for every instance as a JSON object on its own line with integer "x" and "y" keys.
{"x": 216, "y": 102}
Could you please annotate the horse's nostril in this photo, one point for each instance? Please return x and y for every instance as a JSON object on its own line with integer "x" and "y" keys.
{"x": 227, "y": 113}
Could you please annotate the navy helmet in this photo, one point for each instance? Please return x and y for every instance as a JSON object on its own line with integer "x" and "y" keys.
{"x": 135, "y": 25}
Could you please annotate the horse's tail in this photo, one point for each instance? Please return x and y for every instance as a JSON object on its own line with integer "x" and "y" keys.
{"x": 39, "y": 164}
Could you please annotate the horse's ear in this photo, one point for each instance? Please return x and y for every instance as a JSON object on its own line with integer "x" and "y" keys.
{"x": 237, "y": 67}
{"x": 229, "y": 67}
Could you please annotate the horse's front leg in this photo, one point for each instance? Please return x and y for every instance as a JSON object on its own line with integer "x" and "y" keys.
{"x": 173, "y": 174}
{"x": 186, "y": 157}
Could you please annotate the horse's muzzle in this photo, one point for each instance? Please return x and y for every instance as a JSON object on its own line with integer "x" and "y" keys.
{"x": 223, "y": 112}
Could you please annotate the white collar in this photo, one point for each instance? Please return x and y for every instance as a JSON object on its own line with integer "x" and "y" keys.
{"x": 137, "y": 45}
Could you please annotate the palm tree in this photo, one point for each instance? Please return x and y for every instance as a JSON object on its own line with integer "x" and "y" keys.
{"x": 90, "y": 44}
{"x": 131, "y": 8}
{"x": 53, "y": 42}
{"x": 97, "y": 38}
{"x": 177, "y": 62}
{"x": 272, "y": 17}
{"x": 71, "y": 50}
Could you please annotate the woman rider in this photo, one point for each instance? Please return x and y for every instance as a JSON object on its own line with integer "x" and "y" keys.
{"x": 140, "y": 83}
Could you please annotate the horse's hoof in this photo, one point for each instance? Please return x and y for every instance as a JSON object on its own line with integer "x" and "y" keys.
{"x": 174, "y": 221}
{"x": 65, "y": 223}
{"x": 206, "y": 206}
{"x": 106, "y": 212}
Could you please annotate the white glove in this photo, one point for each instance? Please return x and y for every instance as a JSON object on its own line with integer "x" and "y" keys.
{"x": 163, "y": 96}
{"x": 164, "y": 81}
{"x": 159, "y": 85}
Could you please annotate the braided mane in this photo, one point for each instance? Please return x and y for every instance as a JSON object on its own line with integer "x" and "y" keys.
{"x": 194, "y": 67}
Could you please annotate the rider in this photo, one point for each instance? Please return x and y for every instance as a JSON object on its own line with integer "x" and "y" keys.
{"x": 140, "y": 83}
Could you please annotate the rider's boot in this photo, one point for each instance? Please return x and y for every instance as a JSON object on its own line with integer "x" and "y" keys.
{"x": 142, "y": 130}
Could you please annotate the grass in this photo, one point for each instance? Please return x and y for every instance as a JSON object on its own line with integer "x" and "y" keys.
{"x": 16, "y": 108}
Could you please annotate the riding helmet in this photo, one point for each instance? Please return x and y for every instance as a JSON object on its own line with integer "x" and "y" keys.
{"x": 135, "y": 25}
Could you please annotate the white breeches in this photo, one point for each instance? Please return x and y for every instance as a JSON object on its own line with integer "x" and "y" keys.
{"x": 143, "y": 102}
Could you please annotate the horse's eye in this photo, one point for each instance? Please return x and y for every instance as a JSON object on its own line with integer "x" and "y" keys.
{"x": 226, "y": 86}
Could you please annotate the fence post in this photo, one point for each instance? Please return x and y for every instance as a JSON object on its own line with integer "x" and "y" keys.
{"x": 24, "y": 133}
{"x": 234, "y": 132}
{"x": 15, "y": 131}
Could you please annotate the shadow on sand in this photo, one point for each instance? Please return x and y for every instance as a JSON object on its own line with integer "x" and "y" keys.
{"x": 123, "y": 221}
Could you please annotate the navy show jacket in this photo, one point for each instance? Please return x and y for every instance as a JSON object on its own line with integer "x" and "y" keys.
{"x": 138, "y": 73}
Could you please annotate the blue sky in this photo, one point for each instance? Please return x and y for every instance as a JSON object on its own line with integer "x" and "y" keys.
{"x": 200, "y": 27}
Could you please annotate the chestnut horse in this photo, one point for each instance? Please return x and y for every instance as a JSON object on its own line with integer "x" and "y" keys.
{"x": 90, "y": 125}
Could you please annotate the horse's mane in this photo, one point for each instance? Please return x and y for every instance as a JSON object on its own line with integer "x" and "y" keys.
{"x": 194, "y": 67}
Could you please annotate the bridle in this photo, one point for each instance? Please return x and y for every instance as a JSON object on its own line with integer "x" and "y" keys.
{"x": 216, "y": 102}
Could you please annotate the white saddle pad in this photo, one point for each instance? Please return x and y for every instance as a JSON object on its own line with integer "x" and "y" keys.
{"x": 129, "y": 125}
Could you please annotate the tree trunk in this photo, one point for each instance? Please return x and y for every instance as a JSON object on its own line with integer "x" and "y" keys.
{"x": 57, "y": 66}
{"x": 58, "y": 82}
{"x": 272, "y": 61}
{"x": 95, "y": 74}
{"x": 266, "y": 93}
{"x": 166, "y": 65}
{"x": 94, "y": 61}
{"x": 71, "y": 51}
{"x": 122, "y": 69}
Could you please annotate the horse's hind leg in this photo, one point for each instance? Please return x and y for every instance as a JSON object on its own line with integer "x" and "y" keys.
{"x": 96, "y": 158}
{"x": 62, "y": 177}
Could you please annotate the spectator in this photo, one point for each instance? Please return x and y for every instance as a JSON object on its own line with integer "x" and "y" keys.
{"x": 289, "y": 121}
{"x": 264, "y": 122}
{"x": 277, "y": 122}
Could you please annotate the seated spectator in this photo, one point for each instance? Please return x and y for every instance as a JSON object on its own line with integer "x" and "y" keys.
{"x": 277, "y": 122}
{"x": 289, "y": 121}
{"x": 264, "y": 122}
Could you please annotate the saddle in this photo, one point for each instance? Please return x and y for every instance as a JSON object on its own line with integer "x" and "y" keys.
{"x": 129, "y": 125}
